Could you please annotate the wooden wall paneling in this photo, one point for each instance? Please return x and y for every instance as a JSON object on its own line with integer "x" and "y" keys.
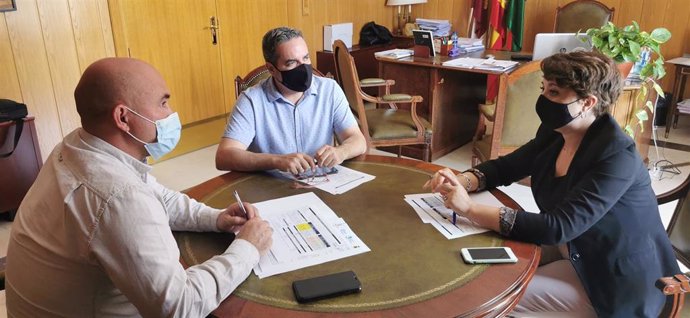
{"x": 63, "y": 63}
{"x": 92, "y": 32}
{"x": 460, "y": 17}
{"x": 106, "y": 27}
{"x": 119, "y": 27}
{"x": 9, "y": 82}
{"x": 672, "y": 15}
{"x": 33, "y": 72}
{"x": 539, "y": 18}
{"x": 241, "y": 51}
{"x": 628, "y": 11}
{"x": 320, "y": 16}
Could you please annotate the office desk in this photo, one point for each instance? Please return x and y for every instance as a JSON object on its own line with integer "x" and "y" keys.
{"x": 682, "y": 72}
{"x": 411, "y": 271}
{"x": 451, "y": 96}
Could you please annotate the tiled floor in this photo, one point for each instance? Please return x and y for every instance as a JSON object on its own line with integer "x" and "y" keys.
{"x": 193, "y": 168}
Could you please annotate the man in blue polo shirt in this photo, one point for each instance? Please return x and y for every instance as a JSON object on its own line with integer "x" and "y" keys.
{"x": 287, "y": 122}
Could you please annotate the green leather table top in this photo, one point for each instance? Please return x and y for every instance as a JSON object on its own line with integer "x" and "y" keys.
{"x": 409, "y": 261}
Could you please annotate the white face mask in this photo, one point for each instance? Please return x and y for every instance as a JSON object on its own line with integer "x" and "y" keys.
{"x": 168, "y": 132}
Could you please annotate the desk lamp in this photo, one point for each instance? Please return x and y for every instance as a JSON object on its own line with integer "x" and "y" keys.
{"x": 403, "y": 16}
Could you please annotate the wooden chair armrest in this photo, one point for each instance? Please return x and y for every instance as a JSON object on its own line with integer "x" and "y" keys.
{"x": 675, "y": 286}
{"x": 377, "y": 82}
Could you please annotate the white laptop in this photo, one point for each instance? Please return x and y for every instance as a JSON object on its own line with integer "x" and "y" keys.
{"x": 547, "y": 44}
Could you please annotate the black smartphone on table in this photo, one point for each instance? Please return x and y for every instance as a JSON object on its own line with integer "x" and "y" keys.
{"x": 316, "y": 288}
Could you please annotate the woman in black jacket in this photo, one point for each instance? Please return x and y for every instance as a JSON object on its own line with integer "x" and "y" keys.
{"x": 594, "y": 195}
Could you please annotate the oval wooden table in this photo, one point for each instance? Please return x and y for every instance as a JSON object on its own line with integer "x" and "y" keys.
{"x": 411, "y": 271}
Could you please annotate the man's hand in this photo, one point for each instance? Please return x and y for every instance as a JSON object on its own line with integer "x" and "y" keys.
{"x": 259, "y": 233}
{"x": 232, "y": 219}
{"x": 295, "y": 163}
{"x": 329, "y": 156}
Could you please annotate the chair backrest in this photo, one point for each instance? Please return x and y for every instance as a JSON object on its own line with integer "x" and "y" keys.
{"x": 255, "y": 76}
{"x": 520, "y": 121}
{"x": 679, "y": 228}
{"x": 581, "y": 15}
{"x": 349, "y": 80}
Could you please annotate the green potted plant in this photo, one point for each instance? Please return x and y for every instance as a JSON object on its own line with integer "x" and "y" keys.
{"x": 628, "y": 44}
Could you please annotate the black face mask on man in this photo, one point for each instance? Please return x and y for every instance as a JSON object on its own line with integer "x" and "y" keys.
{"x": 553, "y": 115}
{"x": 297, "y": 79}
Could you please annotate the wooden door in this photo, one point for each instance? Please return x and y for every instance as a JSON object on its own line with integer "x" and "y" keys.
{"x": 175, "y": 37}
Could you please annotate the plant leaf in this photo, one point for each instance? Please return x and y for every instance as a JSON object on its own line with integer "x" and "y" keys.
{"x": 629, "y": 131}
{"x": 634, "y": 48}
{"x": 649, "y": 105}
{"x": 658, "y": 89}
{"x": 661, "y": 35}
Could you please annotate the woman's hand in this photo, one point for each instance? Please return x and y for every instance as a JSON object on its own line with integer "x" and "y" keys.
{"x": 443, "y": 176}
{"x": 455, "y": 197}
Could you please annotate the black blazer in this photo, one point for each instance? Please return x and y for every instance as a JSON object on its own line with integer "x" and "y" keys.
{"x": 605, "y": 210}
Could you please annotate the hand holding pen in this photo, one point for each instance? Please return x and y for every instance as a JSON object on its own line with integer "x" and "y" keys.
{"x": 242, "y": 208}
{"x": 236, "y": 215}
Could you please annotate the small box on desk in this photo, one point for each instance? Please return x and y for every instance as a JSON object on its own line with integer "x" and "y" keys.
{"x": 340, "y": 31}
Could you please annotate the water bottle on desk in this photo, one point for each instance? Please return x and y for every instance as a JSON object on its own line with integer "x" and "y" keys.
{"x": 455, "y": 49}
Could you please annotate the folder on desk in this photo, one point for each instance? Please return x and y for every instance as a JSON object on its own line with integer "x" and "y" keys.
{"x": 394, "y": 53}
{"x": 481, "y": 64}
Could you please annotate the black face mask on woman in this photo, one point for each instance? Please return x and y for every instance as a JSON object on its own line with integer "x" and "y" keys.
{"x": 297, "y": 79}
{"x": 553, "y": 115}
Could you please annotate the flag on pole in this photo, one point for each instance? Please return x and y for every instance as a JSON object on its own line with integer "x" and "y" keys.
{"x": 514, "y": 23}
{"x": 497, "y": 24}
{"x": 479, "y": 15}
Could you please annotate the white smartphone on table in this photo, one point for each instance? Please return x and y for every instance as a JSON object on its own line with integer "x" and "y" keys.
{"x": 488, "y": 255}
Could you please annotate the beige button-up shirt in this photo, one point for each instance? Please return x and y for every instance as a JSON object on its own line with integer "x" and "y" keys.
{"x": 93, "y": 238}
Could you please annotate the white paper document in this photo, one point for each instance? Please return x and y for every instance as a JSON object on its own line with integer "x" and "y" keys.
{"x": 306, "y": 232}
{"x": 680, "y": 60}
{"x": 482, "y": 64}
{"x": 394, "y": 53}
{"x": 345, "y": 179}
{"x": 431, "y": 210}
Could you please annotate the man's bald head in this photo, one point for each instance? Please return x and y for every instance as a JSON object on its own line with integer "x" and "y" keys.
{"x": 109, "y": 82}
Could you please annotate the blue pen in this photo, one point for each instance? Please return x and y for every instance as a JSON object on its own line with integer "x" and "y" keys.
{"x": 454, "y": 217}
{"x": 239, "y": 201}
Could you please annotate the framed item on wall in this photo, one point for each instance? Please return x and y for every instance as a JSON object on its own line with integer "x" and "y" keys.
{"x": 7, "y": 5}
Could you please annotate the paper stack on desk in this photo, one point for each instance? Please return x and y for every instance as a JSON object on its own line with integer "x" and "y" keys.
{"x": 481, "y": 64}
{"x": 437, "y": 27}
{"x": 684, "y": 106}
{"x": 468, "y": 45}
{"x": 430, "y": 208}
{"x": 306, "y": 232}
{"x": 394, "y": 53}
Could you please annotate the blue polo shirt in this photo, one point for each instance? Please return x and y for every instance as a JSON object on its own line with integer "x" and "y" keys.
{"x": 268, "y": 123}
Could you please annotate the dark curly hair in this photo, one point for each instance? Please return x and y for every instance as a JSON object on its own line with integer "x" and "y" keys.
{"x": 587, "y": 73}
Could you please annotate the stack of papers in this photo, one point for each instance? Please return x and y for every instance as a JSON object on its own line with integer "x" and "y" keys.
{"x": 684, "y": 106}
{"x": 430, "y": 208}
{"x": 437, "y": 27}
{"x": 394, "y": 53}
{"x": 467, "y": 45}
{"x": 306, "y": 232}
{"x": 344, "y": 180}
{"x": 482, "y": 64}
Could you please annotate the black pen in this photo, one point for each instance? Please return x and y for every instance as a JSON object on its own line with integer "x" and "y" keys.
{"x": 239, "y": 201}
